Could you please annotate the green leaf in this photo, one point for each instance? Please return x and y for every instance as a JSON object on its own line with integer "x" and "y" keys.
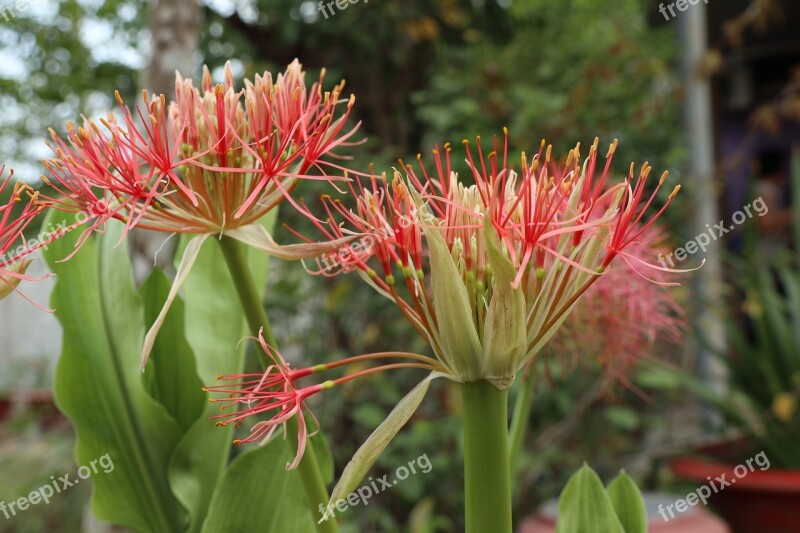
{"x": 423, "y": 517}
{"x": 505, "y": 337}
{"x": 171, "y": 374}
{"x": 208, "y": 294}
{"x": 457, "y": 335}
{"x": 623, "y": 417}
{"x": 369, "y": 452}
{"x": 258, "y": 494}
{"x": 99, "y": 384}
{"x": 791, "y": 284}
{"x": 324, "y": 456}
{"x": 732, "y": 403}
{"x": 257, "y": 236}
{"x": 628, "y": 503}
{"x": 188, "y": 259}
{"x": 585, "y": 507}
{"x": 9, "y": 283}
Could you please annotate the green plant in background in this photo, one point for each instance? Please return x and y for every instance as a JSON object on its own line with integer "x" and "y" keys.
{"x": 444, "y": 69}
{"x": 795, "y": 187}
{"x": 569, "y": 70}
{"x": 29, "y": 456}
{"x": 763, "y": 361}
{"x": 760, "y": 402}
{"x": 58, "y": 68}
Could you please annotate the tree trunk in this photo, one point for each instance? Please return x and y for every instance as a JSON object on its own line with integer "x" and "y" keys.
{"x": 175, "y": 30}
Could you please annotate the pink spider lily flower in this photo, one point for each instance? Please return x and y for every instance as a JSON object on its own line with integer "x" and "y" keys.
{"x": 488, "y": 272}
{"x": 639, "y": 312}
{"x": 486, "y": 269}
{"x": 214, "y": 162}
{"x": 276, "y": 392}
{"x": 14, "y": 249}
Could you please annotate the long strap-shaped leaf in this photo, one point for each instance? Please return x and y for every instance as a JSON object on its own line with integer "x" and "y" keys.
{"x": 99, "y": 385}
{"x": 257, "y": 493}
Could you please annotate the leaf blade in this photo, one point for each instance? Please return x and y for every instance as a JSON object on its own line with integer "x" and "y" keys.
{"x": 377, "y": 442}
{"x": 98, "y": 384}
{"x": 584, "y": 506}
{"x": 280, "y": 504}
{"x": 628, "y": 503}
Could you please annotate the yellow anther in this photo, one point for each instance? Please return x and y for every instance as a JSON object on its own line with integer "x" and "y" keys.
{"x": 612, "y": 148}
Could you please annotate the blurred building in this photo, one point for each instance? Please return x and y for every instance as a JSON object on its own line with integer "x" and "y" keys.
{"x": 753, "y": 95}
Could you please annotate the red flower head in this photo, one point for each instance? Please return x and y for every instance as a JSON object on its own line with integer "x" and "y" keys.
{"x": 214, "y": 161}
{"x": 276, "y": 392}
{"x": 637, "y": 312}
{"x": 272, "y": 392}
{"x": 14, "y": 249}
{"x": 491, "y": 270}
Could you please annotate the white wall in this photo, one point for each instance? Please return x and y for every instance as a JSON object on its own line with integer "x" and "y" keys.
{"x": 30, "y": 339}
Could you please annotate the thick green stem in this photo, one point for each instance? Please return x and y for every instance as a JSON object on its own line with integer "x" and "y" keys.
{"x": 519, "y": 421}
{"x": 486, "y": 468}
{"x": 252, "y": 305}
{"x": 249, "y": 293}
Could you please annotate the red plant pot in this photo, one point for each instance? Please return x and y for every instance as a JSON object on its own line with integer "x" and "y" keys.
{"x": 756, "y": 502}
{"x": 696, "y": 520}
